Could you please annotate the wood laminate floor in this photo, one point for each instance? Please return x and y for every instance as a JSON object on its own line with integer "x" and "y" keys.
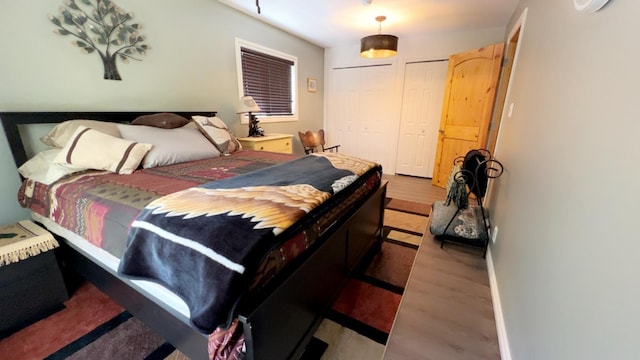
{"x": 446, "y": 310}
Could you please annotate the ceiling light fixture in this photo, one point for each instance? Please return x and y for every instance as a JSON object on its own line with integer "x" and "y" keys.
{"x": 380, "y": 45}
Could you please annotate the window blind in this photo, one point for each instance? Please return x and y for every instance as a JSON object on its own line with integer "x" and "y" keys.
{"x": 267, "y": 79}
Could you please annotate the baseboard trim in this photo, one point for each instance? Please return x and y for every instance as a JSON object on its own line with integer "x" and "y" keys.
{"x": 503, "y": 339}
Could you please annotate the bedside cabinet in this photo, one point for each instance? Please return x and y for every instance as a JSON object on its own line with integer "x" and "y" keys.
{"x": 269, "y": 142}
{"x": 31, "y": 284}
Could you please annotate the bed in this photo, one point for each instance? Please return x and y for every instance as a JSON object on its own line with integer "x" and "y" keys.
{"x": 275, "y": 305}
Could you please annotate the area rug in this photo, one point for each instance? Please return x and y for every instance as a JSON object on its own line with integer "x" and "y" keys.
{"x": 360, "y": 320}
{"x": 92, "y": 326}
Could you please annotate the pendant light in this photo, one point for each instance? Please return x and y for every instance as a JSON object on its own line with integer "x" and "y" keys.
{"x": 380, "y": 45}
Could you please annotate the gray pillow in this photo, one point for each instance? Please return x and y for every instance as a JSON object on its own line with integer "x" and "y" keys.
{"x": 170, "y": 146}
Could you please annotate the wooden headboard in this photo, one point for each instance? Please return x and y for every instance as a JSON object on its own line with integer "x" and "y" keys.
{"x": 11, "y": 120}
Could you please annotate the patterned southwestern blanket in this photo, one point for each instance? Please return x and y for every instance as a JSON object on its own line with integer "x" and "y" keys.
{"x": 100, "y": 206}
{"x": 204, "y": 243}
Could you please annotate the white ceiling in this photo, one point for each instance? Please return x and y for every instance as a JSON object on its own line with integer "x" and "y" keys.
{"x": 330, "y": 23}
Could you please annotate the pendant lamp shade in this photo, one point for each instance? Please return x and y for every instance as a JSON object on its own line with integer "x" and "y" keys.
{"x": 380, "y": 45}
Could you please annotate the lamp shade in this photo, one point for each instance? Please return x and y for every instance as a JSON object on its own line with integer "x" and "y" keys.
{"x": 378, "y": 46}
{"x": 247, "y": 104}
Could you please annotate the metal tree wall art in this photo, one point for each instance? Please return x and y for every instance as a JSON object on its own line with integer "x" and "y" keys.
{"x": 101, "y": 26}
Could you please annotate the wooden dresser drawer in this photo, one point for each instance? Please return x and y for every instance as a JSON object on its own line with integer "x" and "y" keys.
{"x": 279, "y": 145}
{"x": 270, "y": 142}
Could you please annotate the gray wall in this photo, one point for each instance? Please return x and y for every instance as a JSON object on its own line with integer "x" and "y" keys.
{"x": 191, "y": 66}
{"x": 566, "y": 257}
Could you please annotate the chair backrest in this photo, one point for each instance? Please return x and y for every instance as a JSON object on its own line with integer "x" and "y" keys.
{"x": 321, "y": 138}
{"x": 314, "y": 141}
{"x": 311, "y": 140}
{"x": 475, "y": 163}
{"x": 480, "y": 166}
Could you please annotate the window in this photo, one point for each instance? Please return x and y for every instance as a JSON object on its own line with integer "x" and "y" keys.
{"x": 270, "y": 77}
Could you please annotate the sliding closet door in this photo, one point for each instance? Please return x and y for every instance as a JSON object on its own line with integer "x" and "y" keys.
{"x": 421, "y": 109}
{"x": 360, "y": 112}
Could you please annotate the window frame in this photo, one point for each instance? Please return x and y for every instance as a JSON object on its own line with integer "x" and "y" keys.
{"x": 244, "y": 119}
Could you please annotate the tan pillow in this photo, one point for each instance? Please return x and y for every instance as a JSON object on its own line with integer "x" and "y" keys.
{"x": 161, "y": 120}
{"x": 218, "y": 133}
{"x": 95, "y": 150}
{"x": 60, "y": 134}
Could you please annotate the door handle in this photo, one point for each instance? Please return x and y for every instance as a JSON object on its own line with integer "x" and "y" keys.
{"x": 441, "y": 131}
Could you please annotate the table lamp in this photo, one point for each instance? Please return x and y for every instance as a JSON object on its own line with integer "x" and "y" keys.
{"x": 248, "y": 105}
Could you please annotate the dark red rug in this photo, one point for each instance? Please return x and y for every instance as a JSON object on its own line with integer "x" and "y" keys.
{"x": 91, "y": 326}
{"x": 409, "y": 207}
{"x": 369, "y": 301}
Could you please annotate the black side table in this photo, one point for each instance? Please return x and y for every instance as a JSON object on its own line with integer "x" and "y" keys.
{"x": 31, "y": 285}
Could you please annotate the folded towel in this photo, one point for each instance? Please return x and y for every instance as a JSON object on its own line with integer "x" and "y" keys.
{"x": 457, "y": 189}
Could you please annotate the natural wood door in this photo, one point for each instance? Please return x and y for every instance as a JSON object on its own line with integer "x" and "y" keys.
{"x": 421, "y": 109}
{"x": 469, "y": 95}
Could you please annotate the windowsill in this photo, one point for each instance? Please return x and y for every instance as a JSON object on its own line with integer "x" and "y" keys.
{"x": 269, "y": 119}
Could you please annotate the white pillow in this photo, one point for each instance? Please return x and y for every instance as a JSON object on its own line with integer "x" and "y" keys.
{"x": 42, "y": 169}
{"x": 96, "y": 150}
{"x": 170, "y": 146}
{"x": 218, "y": 133}
{"x": 60, "y": 134}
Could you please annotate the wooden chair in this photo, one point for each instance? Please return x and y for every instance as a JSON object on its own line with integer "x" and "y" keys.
{"x": 312, "y": 141}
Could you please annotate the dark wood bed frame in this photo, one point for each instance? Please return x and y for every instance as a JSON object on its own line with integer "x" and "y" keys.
{"x": 277, "y": 325}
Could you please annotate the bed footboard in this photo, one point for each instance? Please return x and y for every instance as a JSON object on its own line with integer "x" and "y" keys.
{"x": 282, "y": 324}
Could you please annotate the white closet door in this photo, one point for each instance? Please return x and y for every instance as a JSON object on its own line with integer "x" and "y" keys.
{"x": 360, "y": 112}
{"x": 423, "y": 92}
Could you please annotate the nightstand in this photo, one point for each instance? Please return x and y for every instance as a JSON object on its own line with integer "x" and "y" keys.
{"x": 269, "y": 142}
{"x": 31, "y": 284}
